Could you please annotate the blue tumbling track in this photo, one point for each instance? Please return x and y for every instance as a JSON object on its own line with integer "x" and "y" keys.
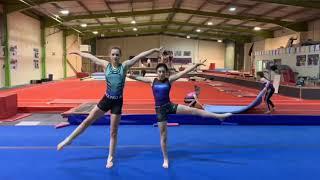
{"x": 238, "y": 119}
{"x": 236, "y": 109}
{"x": 195, "y": 152}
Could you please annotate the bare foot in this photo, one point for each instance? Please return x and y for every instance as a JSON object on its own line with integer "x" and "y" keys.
{"x": 63, "y": 144}
{"x": 267, "y": 112}
{"x": 109, "y": 163}
{"x": 165, "y": 164}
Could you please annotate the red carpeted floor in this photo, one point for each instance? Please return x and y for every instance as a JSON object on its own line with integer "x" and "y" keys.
{"x": 138, "y": 99}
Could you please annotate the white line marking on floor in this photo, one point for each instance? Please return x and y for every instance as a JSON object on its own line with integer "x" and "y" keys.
{"x": 28, "y": 123}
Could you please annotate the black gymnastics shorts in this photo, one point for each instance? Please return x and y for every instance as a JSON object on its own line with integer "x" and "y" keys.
{"x": 164, "y": 110}
{"x": 115, "y": 105}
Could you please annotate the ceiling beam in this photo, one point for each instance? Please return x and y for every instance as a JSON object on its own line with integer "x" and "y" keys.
{"x": 270, "y": 11}
{"x": 31, "y": 14}
{"x": 134, "y": 35}
{"x": 242, "y": 12}
{"x": 161, "y": 11}
{"x": 215, "y": 2}
{"x": 265, "y": 13}
{"x": 302, "y": 26}
{"x": 301, "y": 3}
{"x": 229, "y": 37}
{"x": 201, "y": 37}
{"x": 273, "y": 10}
{"x": 14, "y": 5}
{"x": 88, "y": 10}
{"x": 131, "y": 4}
{"x": 152, "y": 8}
{"x": 110, "y": 10}
{"x": 176, "y": 5}
{"x": 199, "y": 8}
{"x": 122, "y": 34}
{"x": 167, "y": 34}
{"x": 299, "y": 11}
{"x": 229, "y": 29}
{"x": 226, "y": 5}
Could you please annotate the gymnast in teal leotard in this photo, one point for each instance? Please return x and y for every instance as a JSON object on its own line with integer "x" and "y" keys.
{"x": 115, "y": 73}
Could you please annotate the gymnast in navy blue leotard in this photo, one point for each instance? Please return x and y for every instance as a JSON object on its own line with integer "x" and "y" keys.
{"x": 161, "y": 93}
{"x": 161, "y": 86}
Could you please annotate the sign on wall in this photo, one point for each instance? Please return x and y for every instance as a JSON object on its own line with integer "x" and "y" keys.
{"x": 13, "y": 57}
{"x": 306, "y": 63}
{"x": 301, "y": 60}
{"x": 36, "y": 58}
{"x": 181, "y": 57}
{"x": 177, "y": 53}
{"x": 313, "y": 59}
{"x": 186, "y": 53}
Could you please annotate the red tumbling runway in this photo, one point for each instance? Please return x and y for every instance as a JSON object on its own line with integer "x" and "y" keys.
{"x": 60, "y": 96}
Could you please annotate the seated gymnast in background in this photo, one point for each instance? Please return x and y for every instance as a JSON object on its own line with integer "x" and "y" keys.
{"x": 192, "y": 98}
{"x": 270, "y": 90}
{"x": 161, "y": 86}
{"x": 112, "y": 100}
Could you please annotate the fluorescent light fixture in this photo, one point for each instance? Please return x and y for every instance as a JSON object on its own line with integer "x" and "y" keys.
{"x": 64, "y": 12}
{"x": 95, "y": 32}
{"x": 210, "y": 23}
{"x": 83, "y": 25}
{"x": 257, "y": 28}
{"x": 133, "y": 22}
{"x": 135, "y": 29}
{"x": 232, "y": 9}
{"x": 198, "y": 30}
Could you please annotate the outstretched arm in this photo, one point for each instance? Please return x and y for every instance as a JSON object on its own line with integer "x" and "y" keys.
{"x": 91, "y": 57}
{"x": 180, "y": 74}
{"x": 140, "y": 78}
{"x": 131, "y": 62}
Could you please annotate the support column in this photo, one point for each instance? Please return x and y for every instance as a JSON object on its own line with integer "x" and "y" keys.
{"x": 43, "y": 49}
{"x": 7, "y": 81}
{"x": 230, "y": 55}
{"x": 64, "y": 54}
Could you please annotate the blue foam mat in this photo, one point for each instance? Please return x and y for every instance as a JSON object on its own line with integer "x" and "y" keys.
{"x": 235, "y": 109}
{"x": 224, "y": 109}
{"x": 195, "y": 152}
